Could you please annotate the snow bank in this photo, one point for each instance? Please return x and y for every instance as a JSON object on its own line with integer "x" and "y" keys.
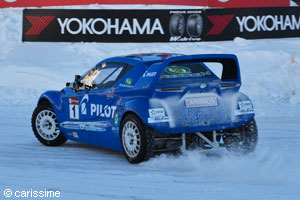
{"x": 10, "y": 30}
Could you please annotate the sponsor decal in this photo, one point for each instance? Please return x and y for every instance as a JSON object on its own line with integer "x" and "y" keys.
{"x": 103, "y": 110}
{"x": 200, "y": 102}
{"x": 83, "y": 103}
{"x": 268, "y": 23}
{"x": 178, "y": 26}
{"x": 38, "y": 24}
{"x": 245, "y": 107}
{"x": 194, "y": 25}
{"x": 184, "y": 39}
{"x": 100, "y": 26}
{"x": 69, "y": 25}
{"x": 74, "y": 107}
{"x": 127, "y": 86}
{"x": 186, "y": 75}
{"x": 88, "y": 126}
{"x": 116, "y": 119}
{"x": 157, "y": 112}
{"x": 149, "y": 74}
{"x": 128, "y": 81}
{"x": 152, "y": 120}
{"x": 220, "y": 23}
{"x": 57, "y": 25}
{"x": 75, "y": 134}
{"x": 73, "y": 100}
{"x": 157, "y": 115}
{"x": 177, "y": 70}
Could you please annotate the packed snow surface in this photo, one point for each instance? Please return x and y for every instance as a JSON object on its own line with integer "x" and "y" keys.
{"x": 271, "y": 77}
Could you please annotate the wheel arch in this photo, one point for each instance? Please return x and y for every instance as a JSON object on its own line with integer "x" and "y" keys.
{"x": 138, "y": 106}
{"x": 53, "y": 99}
{"x": 246, "y": 117}
{"x": 129, "y": 112}
{"x": 44, "y": 101}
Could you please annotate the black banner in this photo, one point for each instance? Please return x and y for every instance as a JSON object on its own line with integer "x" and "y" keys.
{"x": 63, "y": 25}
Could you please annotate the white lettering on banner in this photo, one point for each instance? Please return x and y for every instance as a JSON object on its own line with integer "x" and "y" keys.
{"x": 133, "y": 27}
{"x": 268, "y": 23}
{"x": 103, "y": 111}
{"x": 183, "y": 39}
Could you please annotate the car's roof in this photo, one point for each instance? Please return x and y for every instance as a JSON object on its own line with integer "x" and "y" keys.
{"x": 145, "y": 59}
{"x": 152, "y": 57}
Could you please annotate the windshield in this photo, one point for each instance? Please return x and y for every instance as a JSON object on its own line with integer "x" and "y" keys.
{"x": 103, "y": 76}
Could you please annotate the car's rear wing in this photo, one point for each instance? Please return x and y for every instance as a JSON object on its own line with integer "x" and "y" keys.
{"x": 230, "y": 71}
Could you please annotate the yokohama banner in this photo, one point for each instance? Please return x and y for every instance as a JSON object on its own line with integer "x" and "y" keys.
{"x": 159, "y": 25}
{"x": 207, "y": 3}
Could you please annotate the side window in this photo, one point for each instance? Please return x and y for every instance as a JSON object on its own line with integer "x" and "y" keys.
{"x": 114, "y": 75}
{"x": 105, "y": 75}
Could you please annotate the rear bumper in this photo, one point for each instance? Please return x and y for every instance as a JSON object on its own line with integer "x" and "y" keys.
{"x": 177, "y": 128}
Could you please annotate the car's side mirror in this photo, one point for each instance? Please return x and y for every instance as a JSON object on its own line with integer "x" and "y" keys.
{"x": 72, "y": 85}
{"x": 77, "y": 77}
{"x": 82, "y": 86}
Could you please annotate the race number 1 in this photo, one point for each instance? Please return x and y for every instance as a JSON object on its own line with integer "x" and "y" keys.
{"x": 74, "y": 107}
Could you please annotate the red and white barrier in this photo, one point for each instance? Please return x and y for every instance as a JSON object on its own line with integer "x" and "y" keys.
{"x": 207, "y": 3}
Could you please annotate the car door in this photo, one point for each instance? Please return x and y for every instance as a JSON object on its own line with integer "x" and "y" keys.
{"x": 93, "y": 108}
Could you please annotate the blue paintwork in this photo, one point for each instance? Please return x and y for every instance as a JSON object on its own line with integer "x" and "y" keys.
{"x": 105, "y": 108}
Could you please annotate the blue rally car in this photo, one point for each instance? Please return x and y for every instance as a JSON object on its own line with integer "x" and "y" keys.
{"x": 145, "y": 104}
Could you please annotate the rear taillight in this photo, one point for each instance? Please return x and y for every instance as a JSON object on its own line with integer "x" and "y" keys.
{"x": 229, "y": 85}
{"x": 173, "y": 89}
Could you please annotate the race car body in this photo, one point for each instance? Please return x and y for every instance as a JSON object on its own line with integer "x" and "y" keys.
{"x": 149, "y": 103}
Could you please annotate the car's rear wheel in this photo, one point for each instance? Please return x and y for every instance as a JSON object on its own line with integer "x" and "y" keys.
{"x": 45, "y": 126}
{"x": 136, "y": 139}
{"x": 242, "y": 140}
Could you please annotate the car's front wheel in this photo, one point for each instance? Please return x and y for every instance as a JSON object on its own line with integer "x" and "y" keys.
{"x": 136, "y": 139}
{"x": 45, "y": 126}
{"x": 242, "y": 140}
